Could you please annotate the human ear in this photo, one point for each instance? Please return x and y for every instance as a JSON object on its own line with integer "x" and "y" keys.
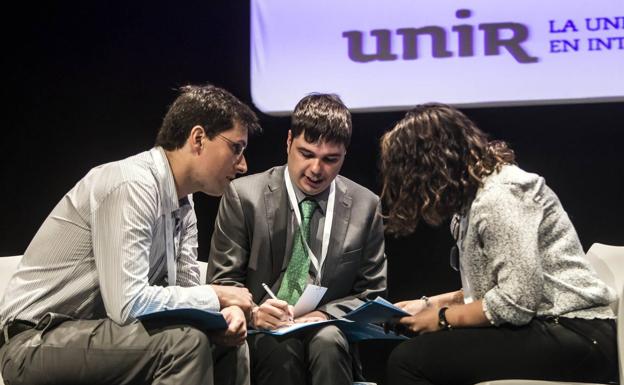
{"x": 196, "y": 138}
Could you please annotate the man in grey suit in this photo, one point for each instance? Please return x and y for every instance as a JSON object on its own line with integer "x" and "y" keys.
{"x": 337, "y": 231}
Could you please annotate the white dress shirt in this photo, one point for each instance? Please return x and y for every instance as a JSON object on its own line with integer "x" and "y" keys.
{"x": 102, "y": 251}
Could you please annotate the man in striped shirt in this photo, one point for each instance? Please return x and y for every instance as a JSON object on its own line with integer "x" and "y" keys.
{"x": 122, "y": 243}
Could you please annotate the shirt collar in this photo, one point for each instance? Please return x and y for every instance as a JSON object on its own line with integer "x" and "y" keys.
{"x": 168, "y": 184}
{"x": 321, "y": 199}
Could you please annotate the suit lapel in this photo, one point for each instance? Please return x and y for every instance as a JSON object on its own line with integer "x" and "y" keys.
{"x": 342, "y": 214}
{"x": 276, "y": 203}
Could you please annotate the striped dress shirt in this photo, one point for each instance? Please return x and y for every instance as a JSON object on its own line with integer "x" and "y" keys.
{"x": 102, "y": 250}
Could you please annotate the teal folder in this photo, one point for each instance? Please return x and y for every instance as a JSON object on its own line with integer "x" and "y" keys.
{"x": 356, "y": 331}
{"x": 201, "y": 319}
{"x": 376, "y": 311}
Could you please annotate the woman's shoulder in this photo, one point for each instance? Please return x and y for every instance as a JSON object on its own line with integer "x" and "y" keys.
{"x": 511, "y": 175}
{"x": 509, "y": 185}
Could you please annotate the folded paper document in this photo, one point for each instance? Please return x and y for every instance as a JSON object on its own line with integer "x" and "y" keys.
{"x": 202, "y": 319}
{"x": 300, "y": 326}
{"x": 376, "y": 311}
{"x": 309, "y": 299}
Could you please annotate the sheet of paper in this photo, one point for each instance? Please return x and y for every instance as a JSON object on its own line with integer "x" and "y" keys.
{"x": 300, "y": 326}
{"x": 384, "y": 301}
{"x": 309, "y": 300}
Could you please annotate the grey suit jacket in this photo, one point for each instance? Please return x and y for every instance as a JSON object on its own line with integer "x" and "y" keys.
{"x": 248, "y": 245}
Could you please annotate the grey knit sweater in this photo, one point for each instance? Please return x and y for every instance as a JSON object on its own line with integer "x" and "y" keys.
{"x": 519, "y": 252}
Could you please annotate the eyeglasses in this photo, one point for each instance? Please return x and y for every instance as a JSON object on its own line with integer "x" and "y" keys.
{"x": 237, "y": 147}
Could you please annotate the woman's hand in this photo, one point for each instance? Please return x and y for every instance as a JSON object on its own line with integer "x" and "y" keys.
{"x": 424, "y": 321}
{"x": 413, "y": 307}
{"x": 457, "y": 316}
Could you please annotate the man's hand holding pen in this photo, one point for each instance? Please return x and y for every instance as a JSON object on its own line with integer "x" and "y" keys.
{"x": 273, "y": 313}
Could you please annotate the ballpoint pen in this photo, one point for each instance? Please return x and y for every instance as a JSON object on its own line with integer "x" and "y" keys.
{"x": 268, "y": 290}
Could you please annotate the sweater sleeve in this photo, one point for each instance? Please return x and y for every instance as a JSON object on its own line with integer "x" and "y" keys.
{"x": 508, "y": 227}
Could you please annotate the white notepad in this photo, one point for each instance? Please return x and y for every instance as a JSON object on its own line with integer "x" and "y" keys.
{"x": 309, "y": 299}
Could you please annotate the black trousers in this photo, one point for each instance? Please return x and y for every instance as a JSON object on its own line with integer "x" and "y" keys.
{"x": 562, "y": 349}
{"x": 316, "y": 357}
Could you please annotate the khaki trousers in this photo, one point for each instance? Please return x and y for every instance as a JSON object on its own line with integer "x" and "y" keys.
{"x": 101, "y": 352}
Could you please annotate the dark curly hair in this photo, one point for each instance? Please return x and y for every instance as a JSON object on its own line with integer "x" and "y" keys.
{"x": 432, "y": 163}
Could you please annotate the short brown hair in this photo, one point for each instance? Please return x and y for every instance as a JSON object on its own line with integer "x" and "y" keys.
{"x": 322, "y": 117}
{"x": 208, "y": 106}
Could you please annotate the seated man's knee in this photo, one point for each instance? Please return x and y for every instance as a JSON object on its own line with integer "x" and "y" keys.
{"x": 328, "y": 341}
{"x": 185, "y": 340}
{"x": 274, "y": 349}
{"x": 242, "y": 351}
{"x": 277, "y": 360}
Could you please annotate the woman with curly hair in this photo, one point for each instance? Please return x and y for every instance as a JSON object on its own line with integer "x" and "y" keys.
{"x": 530, "y": 306}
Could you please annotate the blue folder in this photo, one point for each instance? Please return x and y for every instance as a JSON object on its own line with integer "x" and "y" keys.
{"x": 356, "y": 331}
{"x": 376, "y": 311}
{"x": 202, "y": 319}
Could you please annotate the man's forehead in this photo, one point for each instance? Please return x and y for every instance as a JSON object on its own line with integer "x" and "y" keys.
{"x": 238, "y": 130}
{"x": 320, "y": 145}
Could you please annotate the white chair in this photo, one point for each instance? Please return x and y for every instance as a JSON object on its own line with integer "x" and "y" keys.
{"x": 203, "y": 267}
{"x": 8, "y": 265}
{"x": 608, "y": 261}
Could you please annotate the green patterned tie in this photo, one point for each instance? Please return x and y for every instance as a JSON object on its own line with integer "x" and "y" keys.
{"x": 299, "y": 265}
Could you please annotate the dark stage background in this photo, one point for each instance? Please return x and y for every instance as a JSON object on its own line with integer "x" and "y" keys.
{"x": 89, "y": 83}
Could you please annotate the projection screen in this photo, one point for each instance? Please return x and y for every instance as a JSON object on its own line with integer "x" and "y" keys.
{"x": 389, "y": 55}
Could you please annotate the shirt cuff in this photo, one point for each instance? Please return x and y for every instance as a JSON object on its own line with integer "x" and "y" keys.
{"x": 212, "y": 298}
{"x": 202, "y": 297}
{"x": 487, "y": 313}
